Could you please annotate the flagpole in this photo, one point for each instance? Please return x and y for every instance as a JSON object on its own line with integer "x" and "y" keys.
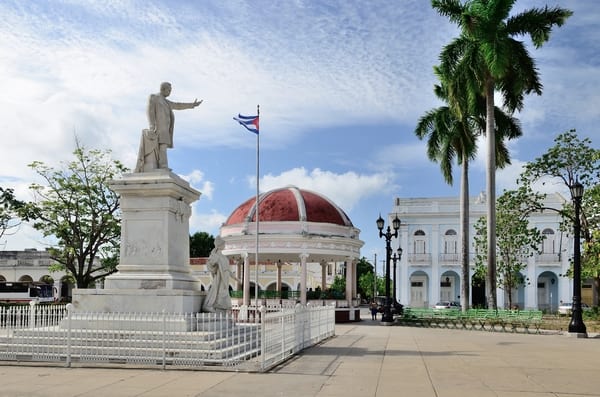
{"x": 257, "y": 212}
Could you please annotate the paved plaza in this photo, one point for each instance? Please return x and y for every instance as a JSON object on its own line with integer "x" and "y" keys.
{"x": 363, "y": 359}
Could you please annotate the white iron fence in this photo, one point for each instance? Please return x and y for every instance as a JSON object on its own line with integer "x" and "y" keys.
{"x": 245, "y": 339}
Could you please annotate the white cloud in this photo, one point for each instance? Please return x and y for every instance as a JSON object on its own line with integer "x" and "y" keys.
{"x": 550, "y": 185}
{"x": 207, "y": 222}
{"x": 195, "y": 178}
{"x": 403, "y": 155}
{"x": 25, "y": 236}
{"x": 506, "y": 178}
{"x": 346, "y": 189}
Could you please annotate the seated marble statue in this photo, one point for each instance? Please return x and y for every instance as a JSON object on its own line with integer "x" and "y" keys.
{"x": 217, "y": 299}
{"x": 158, "y": 137}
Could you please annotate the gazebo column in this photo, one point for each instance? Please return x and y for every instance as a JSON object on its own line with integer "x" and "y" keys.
{"x": 349, "y": 280}
{"x": 246, "y": 299}
{"x": 303, "y": 258}
{"x": 323, "y": 276}
{"x": 239, "y": 274}
{"x": 279, "y": 279}
{"x": 354, "y": 278}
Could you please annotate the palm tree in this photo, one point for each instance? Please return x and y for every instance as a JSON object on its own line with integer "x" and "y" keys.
{"x": 488, "y": 57}
{"x": 452, "y": 131}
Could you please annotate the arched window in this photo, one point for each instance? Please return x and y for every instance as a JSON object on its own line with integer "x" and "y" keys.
{"x": 549, "y": 243}
{"x": 450, "y": 242}
{"x": 419, "y": 242}
{"x": 47, "y": 279}
{"x": 25, "y": 279}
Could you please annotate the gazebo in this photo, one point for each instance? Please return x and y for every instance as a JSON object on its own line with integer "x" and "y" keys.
{"x": 295, "y": 226}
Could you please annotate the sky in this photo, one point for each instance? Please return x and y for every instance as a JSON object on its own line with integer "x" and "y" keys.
{"x": 341, "y": 85}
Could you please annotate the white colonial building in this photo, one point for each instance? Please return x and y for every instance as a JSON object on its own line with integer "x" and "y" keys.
{"x": 430, "y": 268}
{"x": 32, "y": 265}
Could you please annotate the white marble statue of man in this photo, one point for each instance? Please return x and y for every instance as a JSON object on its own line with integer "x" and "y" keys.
{"x": 159, "y": 135}
{"x": 217, "y": 299}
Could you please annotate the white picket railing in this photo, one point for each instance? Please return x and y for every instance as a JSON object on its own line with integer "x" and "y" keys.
{"x": 245, "y": 339}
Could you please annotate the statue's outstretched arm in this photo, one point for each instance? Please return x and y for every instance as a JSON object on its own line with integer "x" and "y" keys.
{"x": 185, "y": 105}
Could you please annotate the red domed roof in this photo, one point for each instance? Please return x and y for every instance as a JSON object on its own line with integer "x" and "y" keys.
{"x": 290, "y": 204}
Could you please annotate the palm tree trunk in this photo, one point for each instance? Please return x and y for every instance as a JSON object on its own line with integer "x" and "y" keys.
{"x": 464, "y": 233}
{"x": 490, "y": 282}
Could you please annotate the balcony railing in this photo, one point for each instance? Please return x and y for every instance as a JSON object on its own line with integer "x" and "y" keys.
{"x": 450, "y": 258}
{"x": 419, "y": 258}
{"x": 548, "y": 258}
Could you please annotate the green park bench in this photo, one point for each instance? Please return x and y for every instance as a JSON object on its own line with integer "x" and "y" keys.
{"x": 474, "y": 319}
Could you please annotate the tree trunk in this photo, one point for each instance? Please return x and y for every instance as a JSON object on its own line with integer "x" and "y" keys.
{"x": 490, "y": 282}
{"x": 509, "y": 288}
{"x": 595, "y": 289}
{"x": 464, "y": 233}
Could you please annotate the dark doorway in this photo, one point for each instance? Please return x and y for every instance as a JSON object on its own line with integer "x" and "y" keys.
{"x": 478, "y": 293}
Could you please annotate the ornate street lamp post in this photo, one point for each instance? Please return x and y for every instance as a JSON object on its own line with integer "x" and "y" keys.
{"x": 576, "y": 326}
{"x": 387, "y": 318}
{"x": 394, "y": 260}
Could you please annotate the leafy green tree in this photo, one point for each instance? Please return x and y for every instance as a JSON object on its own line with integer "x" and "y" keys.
{"x": 452, "y": 132}
{"x": 572, "y": 159}
{"x": 76, "y": 206}
{"x": 366, "y": 278}
{"x": 201, "y": 243}
{"x": 591, "y": 247}
{"x": 516, "y": 240}
{"x": 365, "y": 283}
{"x": 338, "y": 287}
{"x": 488, "y": 57}
{"x": 591, "y": 262}
{"x": 9, "y": 218}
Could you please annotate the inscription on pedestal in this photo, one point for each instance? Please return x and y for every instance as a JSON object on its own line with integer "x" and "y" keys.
{"x": 153, "y": 284}
{"x": 142, "y": 248}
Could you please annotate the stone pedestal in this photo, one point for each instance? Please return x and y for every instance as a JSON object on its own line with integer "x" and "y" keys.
{"x": 154, "y": 270}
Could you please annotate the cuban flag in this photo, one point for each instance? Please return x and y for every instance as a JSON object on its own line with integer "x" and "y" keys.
{"x": 249, "y": 122}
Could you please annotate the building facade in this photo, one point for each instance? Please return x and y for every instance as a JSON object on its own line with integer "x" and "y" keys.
{"x": 32, "y": 265}
{"x": 430, "y": 268}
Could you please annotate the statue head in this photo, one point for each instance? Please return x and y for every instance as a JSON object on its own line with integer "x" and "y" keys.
{"x": 219, "y": 243}
{"x": 165, "y": 89}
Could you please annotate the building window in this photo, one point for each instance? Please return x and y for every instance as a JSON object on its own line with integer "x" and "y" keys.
{"x": 450, "y": 242}
{"x": 419, "y": 242}
{"x": 548, "y": 245}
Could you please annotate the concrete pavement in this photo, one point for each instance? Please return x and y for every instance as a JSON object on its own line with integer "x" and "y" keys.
{"x": 363, "y": 359}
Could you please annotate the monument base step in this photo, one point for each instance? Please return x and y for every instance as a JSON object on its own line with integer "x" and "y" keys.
{"x": 137, "y": 300}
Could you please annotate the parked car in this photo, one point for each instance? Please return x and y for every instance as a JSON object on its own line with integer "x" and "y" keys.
{"x": 395, "y": 308}
{"x": 565, "y": 308}
{"x": 447, "y": 305}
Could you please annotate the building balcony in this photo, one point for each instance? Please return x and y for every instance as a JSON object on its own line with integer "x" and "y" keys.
{"x": 548, "y": 258}
{"x": 450, "y": 258}
{"x": 419, "y": 259}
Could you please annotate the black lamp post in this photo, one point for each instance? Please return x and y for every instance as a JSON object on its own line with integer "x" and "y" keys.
{"x": 387, "y": 317}
{"x": 394, "y": 260}
{"x": 576, "y": 325}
